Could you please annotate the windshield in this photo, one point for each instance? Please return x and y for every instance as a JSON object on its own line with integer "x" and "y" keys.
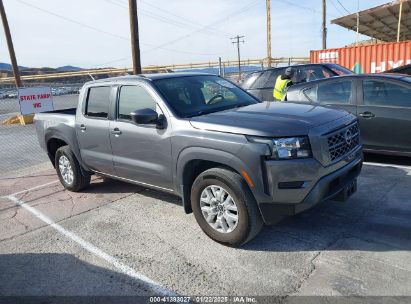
{"x": 197, "y": 95}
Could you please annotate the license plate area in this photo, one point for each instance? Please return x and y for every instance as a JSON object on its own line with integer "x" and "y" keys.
{"x": 348, "y": 190}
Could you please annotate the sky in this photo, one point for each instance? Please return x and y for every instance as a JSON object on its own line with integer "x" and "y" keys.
{"x": 95, "y": 33}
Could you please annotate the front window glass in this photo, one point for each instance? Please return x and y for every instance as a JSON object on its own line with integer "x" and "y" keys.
{"x": 197, "y": 95}
{"x": 134, "y": 98}
{"x": 336, "y": 92}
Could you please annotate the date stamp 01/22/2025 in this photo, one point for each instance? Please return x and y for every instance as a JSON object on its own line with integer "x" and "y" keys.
{"x": 203, "y": 299}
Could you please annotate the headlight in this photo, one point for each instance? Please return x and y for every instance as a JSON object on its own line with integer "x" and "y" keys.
{"x": 286, "y": 148}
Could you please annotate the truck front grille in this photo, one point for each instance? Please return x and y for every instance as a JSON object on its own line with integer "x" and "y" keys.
{"x": 343, "y": 141}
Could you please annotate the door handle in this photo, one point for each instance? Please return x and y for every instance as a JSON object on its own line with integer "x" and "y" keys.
{"x": 116, "y": 132}
{"x": 367, "y": 115}
{"x": 82, "y": 127}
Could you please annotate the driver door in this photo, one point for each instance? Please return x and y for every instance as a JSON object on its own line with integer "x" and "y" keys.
{"x": 141, "y": 153}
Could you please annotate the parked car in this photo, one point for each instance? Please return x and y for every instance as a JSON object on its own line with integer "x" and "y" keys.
{"x": 382, "y": 103}
{"x": 235, "y": 162}
{"x": 404, "y": 69}
{"x": 261, "y": 83}
{"x": 11, "y": 94}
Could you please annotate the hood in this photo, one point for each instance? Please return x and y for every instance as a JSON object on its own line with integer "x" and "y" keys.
{"x": 269, "y": 119}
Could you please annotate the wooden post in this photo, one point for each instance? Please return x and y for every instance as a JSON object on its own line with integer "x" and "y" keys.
{"x": 324, "y": 25}
{"x": 399, "y": 22}
{"x": 268, "y": 9}
{"x": 10, "y": 46}
{"x": 135, "y": 43}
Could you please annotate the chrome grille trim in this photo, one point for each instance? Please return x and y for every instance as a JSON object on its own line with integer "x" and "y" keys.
{"x": 343, "y": 141}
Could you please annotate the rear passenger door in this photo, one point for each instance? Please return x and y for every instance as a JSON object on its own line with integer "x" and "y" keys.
{"x": 92, "y": 128}
{"x": 141, "y": 153}
{"x": 385, "y": 115}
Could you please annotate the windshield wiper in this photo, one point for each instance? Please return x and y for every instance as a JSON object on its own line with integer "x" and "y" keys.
{"x": 204, "y": 112}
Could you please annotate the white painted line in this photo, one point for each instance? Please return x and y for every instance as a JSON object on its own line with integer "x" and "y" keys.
{"x": 155, "y": 287}
{"x": 387, "y": 165}
{"x": 31, "y": 189}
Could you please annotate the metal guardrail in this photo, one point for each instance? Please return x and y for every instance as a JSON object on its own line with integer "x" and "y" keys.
{"x": 159, "y": 68}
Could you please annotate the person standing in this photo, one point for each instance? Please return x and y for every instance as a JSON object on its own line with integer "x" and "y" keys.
{"x": 282, "y": 83}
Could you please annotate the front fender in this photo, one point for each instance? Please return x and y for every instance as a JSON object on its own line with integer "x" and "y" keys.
{"x": 252, "y": 166}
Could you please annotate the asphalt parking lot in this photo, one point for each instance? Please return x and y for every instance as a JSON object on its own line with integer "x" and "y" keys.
{"x": 119, "y": 239}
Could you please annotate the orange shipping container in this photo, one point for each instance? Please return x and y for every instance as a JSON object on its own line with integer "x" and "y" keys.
{"x": 373, "y": 58}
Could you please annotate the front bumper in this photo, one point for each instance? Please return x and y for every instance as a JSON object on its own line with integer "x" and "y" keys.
{"x": 330, "y": 186}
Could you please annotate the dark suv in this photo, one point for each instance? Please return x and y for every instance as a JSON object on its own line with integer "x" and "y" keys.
{"x": 261, "y": 83}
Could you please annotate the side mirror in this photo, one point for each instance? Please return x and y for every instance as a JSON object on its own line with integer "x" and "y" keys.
{"x": 144, "y": 116}
{"x": 148, "y": 116}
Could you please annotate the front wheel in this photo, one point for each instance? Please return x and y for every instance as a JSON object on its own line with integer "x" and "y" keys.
{"x": 224, "y": 207}
{"x": 69, "y": 171}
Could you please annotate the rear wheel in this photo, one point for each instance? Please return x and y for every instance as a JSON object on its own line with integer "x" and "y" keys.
{"x": 69, "y": 170}
{"x": 225, "y": 208}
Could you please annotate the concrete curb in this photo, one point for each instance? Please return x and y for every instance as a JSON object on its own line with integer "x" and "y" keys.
{"x": 19, "y": 119}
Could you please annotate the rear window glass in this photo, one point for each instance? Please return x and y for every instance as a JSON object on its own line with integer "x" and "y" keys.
{"x": 382, "y": 93}
{"x": 267, "y": 79}
{"x": 249, "y": 80}
{"x": 339, "y": 70}
{"x": 98, "y": 102}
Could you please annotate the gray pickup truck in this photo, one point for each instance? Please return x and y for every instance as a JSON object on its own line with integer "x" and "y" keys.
{"x": 236, "y": 162}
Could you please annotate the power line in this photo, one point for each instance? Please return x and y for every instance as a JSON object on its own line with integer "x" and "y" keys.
{"x": 302, "y": 7}
{"x": 167, "y": 20}
{"x": 343, "y": 7}
{"x": 72, "y": 20}
{"x": 102, "y": 31}
{"x": 220, "y": 21}
{"x": 336, "y": 7}
{"x": 186, "y": 19}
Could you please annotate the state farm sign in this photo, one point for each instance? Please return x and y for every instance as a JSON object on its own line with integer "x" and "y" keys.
{"x": 35, "y": 100}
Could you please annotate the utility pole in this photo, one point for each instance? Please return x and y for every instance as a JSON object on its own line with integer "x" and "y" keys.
{"x": 135, "y": 44}
{"x": 324, "y": 24}
{"x": 10, "y": 46}
{"x": 399, "y": 22}
{"x": 358, "y": 23}
{"x": 237, "y": 41}
{"x": 268, "y": 9}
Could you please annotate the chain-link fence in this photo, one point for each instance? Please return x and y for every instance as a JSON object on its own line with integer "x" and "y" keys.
{"x": 19, "y": 147}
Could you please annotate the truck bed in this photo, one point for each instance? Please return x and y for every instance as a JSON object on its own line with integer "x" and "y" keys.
{"x": 69, "y": 111}
{"x": 58, "y": 122}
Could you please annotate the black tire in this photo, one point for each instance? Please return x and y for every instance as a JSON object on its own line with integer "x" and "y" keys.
{"x": 249, "y": 217}
{"x": 80, "y": 180}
